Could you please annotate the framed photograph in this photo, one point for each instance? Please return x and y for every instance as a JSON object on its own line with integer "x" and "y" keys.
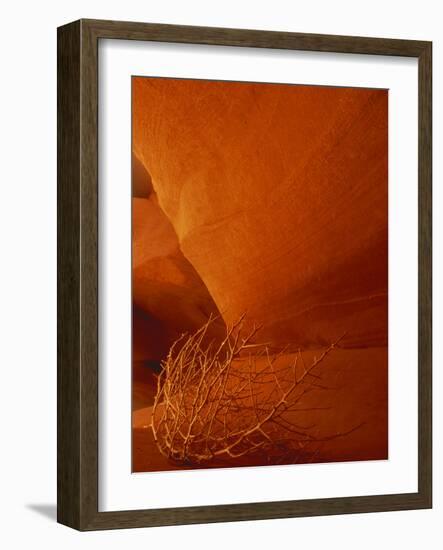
{"x": 244, "y": 274}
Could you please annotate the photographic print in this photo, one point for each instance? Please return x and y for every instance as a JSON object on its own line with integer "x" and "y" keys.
{"x": 259, "y": 274}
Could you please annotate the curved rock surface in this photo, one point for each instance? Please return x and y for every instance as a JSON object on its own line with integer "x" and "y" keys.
{"x": 278, "y": 197}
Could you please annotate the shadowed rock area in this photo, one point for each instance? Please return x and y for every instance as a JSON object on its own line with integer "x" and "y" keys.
{"x": 168, "y": 295}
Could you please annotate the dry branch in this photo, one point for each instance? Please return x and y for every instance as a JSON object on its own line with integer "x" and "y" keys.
{"x": 232, "y": 398}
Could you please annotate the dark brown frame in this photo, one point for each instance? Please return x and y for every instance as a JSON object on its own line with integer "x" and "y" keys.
{"x": 77, "y": 457}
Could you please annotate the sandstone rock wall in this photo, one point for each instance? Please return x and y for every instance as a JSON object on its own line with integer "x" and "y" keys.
{"x": 275, "y": 200}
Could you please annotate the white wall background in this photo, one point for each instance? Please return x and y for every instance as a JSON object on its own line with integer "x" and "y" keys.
{"x": 28, "y": 270}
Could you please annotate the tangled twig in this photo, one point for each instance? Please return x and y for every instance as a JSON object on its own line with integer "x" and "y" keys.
{"x": 232, "y": 398}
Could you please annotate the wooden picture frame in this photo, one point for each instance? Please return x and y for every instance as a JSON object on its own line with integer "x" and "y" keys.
{"x": 77, "y": 174}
